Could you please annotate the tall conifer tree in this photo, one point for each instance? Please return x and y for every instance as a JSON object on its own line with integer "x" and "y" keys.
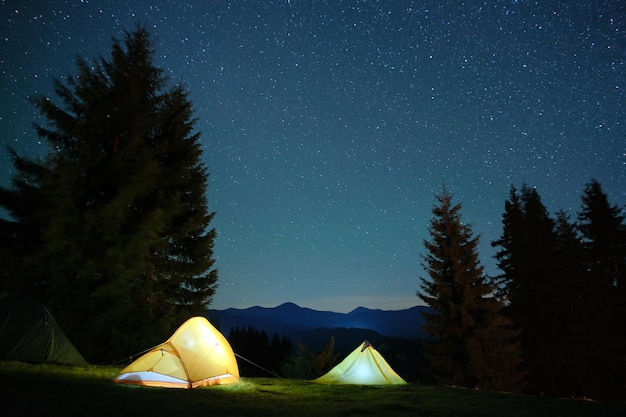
{"x": 603, "y": 233}
{"x": 526, "y": 257}
{"x": 112, "y": 229}
{"x": 473, "y": 343}
{"x": 571, "y": 321}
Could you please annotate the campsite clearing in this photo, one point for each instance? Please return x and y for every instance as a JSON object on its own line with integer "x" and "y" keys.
{"x": 52, "y": 389}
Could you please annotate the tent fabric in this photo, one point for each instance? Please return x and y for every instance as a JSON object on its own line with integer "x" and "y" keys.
{"x": 29, "y": 333}
{"x": 364, "y": 366}
{"x": 196, "y": 355}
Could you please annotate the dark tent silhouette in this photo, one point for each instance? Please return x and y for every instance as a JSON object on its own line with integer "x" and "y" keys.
{"x": 29, "y": 333}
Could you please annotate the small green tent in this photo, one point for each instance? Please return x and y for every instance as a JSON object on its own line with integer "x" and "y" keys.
{"x": 364, "y": 366}
{"x": 29, "y": 333}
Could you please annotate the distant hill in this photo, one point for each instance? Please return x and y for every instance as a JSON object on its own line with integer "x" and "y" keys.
{"x": 291, "y": 320}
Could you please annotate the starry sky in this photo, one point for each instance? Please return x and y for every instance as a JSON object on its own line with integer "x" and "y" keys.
{"x": 328, "y": 126}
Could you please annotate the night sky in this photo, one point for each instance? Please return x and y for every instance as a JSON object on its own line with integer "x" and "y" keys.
{"x": 329, "y": 126}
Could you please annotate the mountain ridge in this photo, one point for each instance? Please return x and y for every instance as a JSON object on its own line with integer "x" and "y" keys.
{"x": 289, "y": 319}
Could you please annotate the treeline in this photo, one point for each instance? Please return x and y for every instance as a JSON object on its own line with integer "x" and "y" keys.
{"x": 258, "y": 356}
{"x": 552, "y": 323}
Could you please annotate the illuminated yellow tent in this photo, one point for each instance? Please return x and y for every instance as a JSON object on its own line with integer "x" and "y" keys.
{"x": 364, "y": 366}
{"x": 196, "y": 355}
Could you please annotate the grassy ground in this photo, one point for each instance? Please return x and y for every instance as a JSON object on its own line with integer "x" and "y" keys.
{"x": 39, "y": 390}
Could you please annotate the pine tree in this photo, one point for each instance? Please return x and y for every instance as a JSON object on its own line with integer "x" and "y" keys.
{"x": 473, "y": 343}
{"x": 526, "y": 257}
{"x": 604, "y": 298}
{"x": 569, "y": 305}
{"x": 604, "y": 233}
{"x": 118, "y": 243}
{"x": 507, "y": 256}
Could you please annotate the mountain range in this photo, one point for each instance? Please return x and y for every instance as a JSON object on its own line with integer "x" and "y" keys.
{"x": 300, "y": 323}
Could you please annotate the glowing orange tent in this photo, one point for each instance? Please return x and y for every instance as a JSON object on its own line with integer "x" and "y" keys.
{"x": 196, "y": 355}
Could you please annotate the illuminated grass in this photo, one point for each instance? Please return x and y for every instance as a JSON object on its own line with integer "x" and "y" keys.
{"x": 45, "y": 389}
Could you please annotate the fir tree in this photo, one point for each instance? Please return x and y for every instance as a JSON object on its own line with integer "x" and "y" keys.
{"x": 473, "y": 343}
{"x": 604, "y": 232}
{"x": 112, "y": 228}
{"x": 527, "y": 257}
{"x": 604, "y": 296}
{"x": 507, "y": 255}
{"x": 571, "y": 320}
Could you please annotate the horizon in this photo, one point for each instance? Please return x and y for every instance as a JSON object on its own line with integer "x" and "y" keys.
{"x": 342, "y": 305}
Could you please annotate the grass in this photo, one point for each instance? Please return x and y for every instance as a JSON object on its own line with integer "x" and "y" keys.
{"x": 39, "y": 390}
